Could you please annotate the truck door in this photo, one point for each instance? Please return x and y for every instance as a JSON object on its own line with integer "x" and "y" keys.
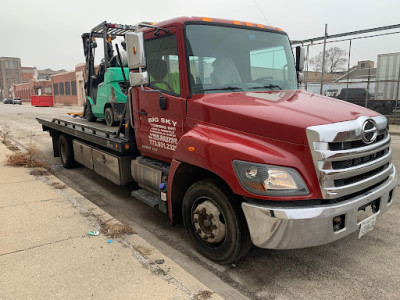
{"x": 158, "y": 129}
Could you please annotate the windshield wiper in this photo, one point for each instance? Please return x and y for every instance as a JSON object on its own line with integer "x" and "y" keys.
{"x": 228, "y": 88}
{"x": 269, "y": 86}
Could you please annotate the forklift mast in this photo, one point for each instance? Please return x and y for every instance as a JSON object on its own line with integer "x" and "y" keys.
{"x": 107, "y": 32}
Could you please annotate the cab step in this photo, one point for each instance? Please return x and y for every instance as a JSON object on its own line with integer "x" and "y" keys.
{"x": 150, "y": 199}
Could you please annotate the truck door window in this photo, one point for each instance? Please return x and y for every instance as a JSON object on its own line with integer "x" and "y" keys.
{"x": 163, "y": 64}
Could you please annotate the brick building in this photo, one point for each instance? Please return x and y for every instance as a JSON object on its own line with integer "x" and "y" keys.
{"x": 64, "y": 88}
{"x": 10, "y": 73}
{"x": 31, "y": 88}
{"x": 28, "y": 73}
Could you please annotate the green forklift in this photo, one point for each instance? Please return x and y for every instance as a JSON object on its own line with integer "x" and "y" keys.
{"x": 105, "y": 88}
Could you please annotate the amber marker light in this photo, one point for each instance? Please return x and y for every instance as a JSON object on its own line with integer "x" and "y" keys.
{"x": 116, "y": 146}
{"x": 126, "y": 125}
{"x": 207, "y": 19}
{"x": 126, "y": 147}
{"x": 237, "y": 22}
{"x": 191, "y": 149}
{"x": 259, "y": 26}
{"x": 279, "y": 29}
{"x": 248, "y": 24}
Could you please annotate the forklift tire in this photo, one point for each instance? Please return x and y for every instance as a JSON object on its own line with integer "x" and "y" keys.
{"x": 66, "y": 152}
{"x": 88, "y": 114}
{"x": 109, "y": 116}
{"x": 215, "y": 222}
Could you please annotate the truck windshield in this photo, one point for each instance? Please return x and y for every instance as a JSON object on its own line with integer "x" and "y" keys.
{"x": 230, "y": 59}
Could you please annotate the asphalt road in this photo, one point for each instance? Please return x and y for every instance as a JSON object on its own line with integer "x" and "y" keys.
{"x": 350, "y": 268}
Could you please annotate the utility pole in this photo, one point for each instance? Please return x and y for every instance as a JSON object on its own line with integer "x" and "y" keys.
{"x": 306, "y": 77}
{"x": 367, "y": 96}
{"x": 348, "y": 70}
{"x": 323, "y": 60}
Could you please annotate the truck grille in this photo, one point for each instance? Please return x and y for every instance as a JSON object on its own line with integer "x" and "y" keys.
{"x": 350, "y": 157}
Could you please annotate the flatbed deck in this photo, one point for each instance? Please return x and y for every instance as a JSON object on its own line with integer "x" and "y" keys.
{"x": 92, "y": 132}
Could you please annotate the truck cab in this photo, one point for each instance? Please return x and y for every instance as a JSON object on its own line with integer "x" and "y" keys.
{"x": 218, "y": 136}
{"x": 244, "y": 143}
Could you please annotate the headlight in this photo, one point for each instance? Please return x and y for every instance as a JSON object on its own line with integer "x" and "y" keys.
{"x": 269, "y": 180}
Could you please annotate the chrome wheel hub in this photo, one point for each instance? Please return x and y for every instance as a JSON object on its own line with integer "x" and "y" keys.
{"x": 209, "y": 222}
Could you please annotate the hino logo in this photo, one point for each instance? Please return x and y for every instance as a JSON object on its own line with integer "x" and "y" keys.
{"x": 369, "y": 131}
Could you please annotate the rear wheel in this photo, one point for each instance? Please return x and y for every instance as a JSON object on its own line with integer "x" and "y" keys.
{"x": 215, "y": 224}
{"x": 109, "y": 116}
{"x": 88, "y": 113}
{"x": 66, "y": 152}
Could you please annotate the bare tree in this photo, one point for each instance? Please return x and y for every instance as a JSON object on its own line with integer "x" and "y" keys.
{"x": 335, "y": 60}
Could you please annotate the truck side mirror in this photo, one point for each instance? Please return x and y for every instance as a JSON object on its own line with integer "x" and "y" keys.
{"x": 300, "y": 56}
{"x": 138, "y": 79}
{"x": 135, "y": 50}
{"x": 136, "y": 59}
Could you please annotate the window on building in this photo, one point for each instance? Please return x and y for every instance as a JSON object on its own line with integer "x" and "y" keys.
{"x": 68, "y": 88}
{"x": 47, "y": 90}
{"x": 73, "y": 87}
{"x": 55, "y": 87}
{"x": 61, "y": 87}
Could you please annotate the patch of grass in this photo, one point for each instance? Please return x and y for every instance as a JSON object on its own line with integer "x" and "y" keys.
{"x": 31, "y": 158}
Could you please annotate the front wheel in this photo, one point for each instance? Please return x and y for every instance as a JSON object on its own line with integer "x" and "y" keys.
{"x": 215, "y": 224}
{"x": 88, "y": 113}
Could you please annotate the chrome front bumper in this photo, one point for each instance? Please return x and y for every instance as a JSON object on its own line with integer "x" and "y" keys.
{"x": 301, "y": 227}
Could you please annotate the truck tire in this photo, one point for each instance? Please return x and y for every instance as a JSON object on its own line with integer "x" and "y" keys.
{"x": 66, "y": 152}
{"x": 109, "y": 116}
{"x": 215, "y": 224}
{"x": 88, "y": 113}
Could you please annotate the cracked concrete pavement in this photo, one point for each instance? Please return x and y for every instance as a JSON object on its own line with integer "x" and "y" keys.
{"x": 46, "y": 252}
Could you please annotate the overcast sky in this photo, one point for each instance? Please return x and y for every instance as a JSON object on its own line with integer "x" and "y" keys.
{"x": 47, "y": 34}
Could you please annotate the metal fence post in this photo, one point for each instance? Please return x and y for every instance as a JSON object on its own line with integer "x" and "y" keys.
{"x": 323, "y": 60}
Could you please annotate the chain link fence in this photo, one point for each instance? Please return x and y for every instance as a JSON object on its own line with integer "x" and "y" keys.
{"x": 362, "y": 67}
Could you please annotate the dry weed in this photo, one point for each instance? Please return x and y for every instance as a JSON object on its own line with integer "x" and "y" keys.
{"x": 58, "y": 186}
{"x": 142, "y": 250}
{"x": 204, "y": 295}
{"x": 31, "y": 158}
{"x": 39, "y": 172}
{"x": 4, "y": 135}
{"x": 116, "y": 230}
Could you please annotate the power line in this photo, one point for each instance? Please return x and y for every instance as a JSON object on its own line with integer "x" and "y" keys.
{"x": 259, "y": 8}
